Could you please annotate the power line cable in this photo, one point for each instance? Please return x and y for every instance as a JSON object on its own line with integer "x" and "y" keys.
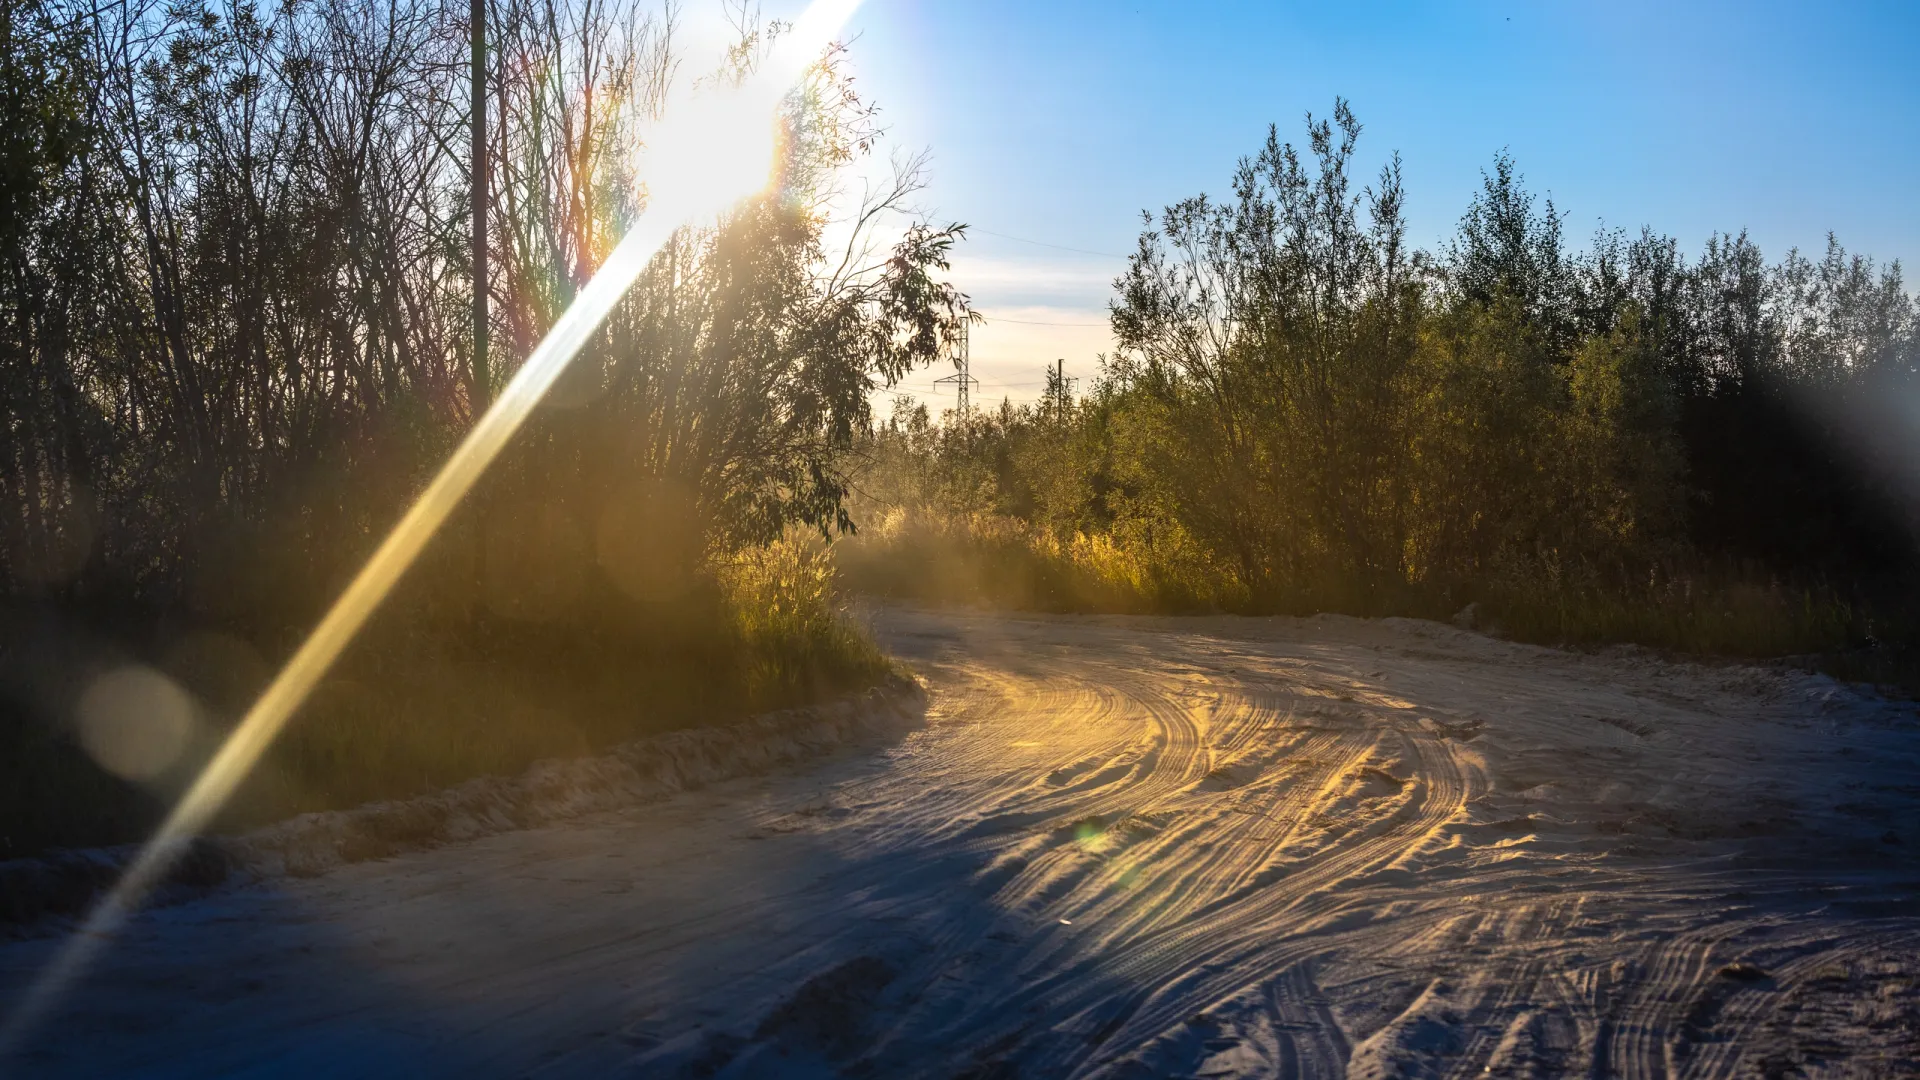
{"x": 1033, "y": 322}
{"x": 1044, "y": 244}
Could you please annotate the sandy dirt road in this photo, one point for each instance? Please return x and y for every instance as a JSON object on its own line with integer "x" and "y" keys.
{"x": 1128, "y": 847}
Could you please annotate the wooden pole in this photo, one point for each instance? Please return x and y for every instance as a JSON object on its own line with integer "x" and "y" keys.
{"x": 479, "y": 377}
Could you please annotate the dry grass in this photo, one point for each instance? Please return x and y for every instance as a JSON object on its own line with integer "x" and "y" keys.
{"x": 414, "y": 708}
{"x": 998, "y": 562}
{"x": 1696, "y": 616}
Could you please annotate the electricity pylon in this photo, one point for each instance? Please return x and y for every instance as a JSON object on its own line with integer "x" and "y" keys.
{"x": 960, "y": 378}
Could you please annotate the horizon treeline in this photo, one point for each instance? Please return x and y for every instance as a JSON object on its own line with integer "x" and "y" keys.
{"x": 1305, "y": 413}
{"x": 236, "y": 339}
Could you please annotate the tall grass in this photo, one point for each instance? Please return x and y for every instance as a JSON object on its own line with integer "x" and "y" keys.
{"x": 991, "y": 561}
{"x": 1705, "y": 615}
{"x": 415, "y": 707}
{"x": 783, "y": 600}
{"x": 1723, "y": 614}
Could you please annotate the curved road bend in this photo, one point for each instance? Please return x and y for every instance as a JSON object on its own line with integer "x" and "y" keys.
{"x": 1128, "y": 847}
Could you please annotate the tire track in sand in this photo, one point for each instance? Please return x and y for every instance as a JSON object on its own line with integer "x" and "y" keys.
{"x": 1186, "y": 890}
{"x": 1171, "y": 847}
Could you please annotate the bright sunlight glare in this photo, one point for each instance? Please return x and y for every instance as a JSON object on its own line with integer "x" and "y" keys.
{"x": 723, "y": 147}
{"x": 700, "y": 162}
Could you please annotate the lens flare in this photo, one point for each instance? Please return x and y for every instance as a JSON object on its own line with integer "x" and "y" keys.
{"x": 134, "y": 722}
{"x": 722, "y": 153}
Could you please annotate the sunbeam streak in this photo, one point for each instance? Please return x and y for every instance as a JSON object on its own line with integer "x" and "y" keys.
{"x": 705, "y": 159}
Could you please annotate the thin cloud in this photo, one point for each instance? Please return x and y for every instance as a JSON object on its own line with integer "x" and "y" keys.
{"x": 1009, "y": 283}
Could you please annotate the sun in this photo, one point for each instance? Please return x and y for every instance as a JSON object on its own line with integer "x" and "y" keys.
{"x": 714, "y": 150}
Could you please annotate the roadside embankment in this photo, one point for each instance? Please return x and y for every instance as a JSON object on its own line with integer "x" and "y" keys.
{"x": 552, "y": 790}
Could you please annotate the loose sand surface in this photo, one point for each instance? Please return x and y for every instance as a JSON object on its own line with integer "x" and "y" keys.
{"x": 1211, "y": 847}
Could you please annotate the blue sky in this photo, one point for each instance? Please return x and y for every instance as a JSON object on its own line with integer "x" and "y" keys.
{"x": 1058, "y": 122}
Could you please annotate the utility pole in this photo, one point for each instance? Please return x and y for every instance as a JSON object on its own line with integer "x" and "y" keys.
{"x": 960, "y": 378}
{"x": 479, "y": 379}
{"x": 1059, "y": 390}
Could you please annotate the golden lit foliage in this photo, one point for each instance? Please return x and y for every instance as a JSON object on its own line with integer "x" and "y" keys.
{"x": 1305, "y": 415}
